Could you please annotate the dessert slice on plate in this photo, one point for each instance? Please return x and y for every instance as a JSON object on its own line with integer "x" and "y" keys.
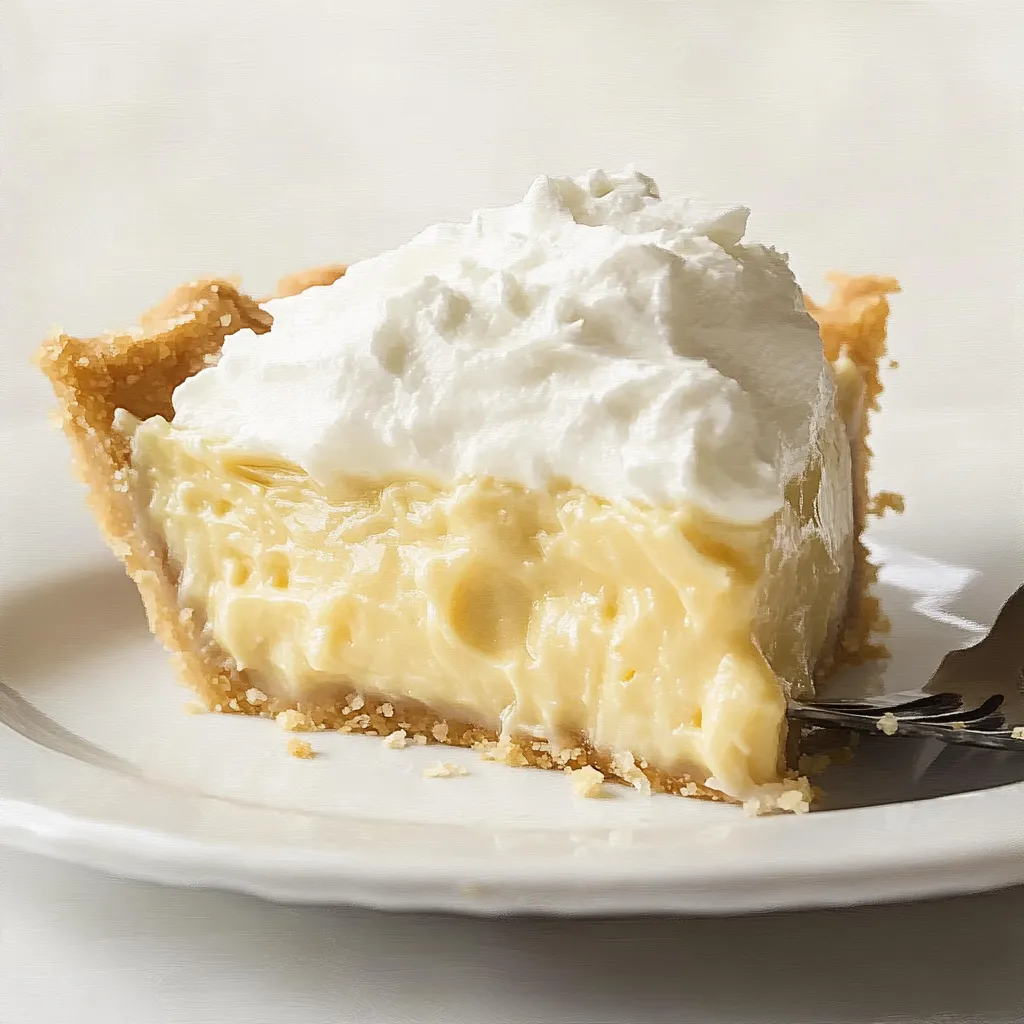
{"x": 575, "y": 481}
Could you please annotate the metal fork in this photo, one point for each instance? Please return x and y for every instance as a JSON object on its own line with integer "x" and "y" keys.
{"x": 976, "y": 697}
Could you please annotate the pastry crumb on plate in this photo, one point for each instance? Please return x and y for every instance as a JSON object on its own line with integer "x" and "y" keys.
{"x": 586, "y": 782}
{"x": 444, "y": 770}
{"x": 395, "y": 740}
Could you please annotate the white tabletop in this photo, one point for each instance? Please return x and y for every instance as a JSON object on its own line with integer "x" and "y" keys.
{"x": 80, "y": 947}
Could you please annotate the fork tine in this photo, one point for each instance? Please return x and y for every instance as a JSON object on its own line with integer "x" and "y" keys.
{"x": 987, "y": 709}
{"x": 992, "y": 664}
{"x": 931, "y": 704}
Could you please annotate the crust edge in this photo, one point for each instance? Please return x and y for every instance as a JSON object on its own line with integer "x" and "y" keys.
{"x": 853, "y": 323}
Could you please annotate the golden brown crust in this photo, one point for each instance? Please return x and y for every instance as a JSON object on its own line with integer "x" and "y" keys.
{"x": 139, "y": 372}
{"x": 853, "y": 323}
{"x": 93, "y": 377}
{"x": 293, "y": 284}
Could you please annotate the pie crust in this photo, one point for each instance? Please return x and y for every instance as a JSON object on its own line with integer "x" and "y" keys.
{"x": 138, "y": 372}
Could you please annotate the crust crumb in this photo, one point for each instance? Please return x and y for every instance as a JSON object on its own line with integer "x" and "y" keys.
{"x": 301, "y": 749}
{"x": 505, "y": 752}
{"x": 255, "y": 697}
{"x": 794, "y": 802}
{"x": 792, "y": 795}
{"x": 395, "y": 740}
{"x": 444, "y": 770}
{"x": 886, "y": 501}
{"x": 625, "y": 767}
{"x": 586, "y": 782}
{"x": 293, "y": 721}
{"x": 888, "y": 723}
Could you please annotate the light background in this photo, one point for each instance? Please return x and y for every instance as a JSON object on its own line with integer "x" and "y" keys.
{"x": 149, "y": 143}
{"x": 145, "y": 143}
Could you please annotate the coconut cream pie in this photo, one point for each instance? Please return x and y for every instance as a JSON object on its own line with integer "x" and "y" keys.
{"x": 576, "y": 481}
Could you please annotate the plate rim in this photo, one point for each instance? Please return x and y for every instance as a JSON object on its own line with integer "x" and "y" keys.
{"x": 551, "y": 883}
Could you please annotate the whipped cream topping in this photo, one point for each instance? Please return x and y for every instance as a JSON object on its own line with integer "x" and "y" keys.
{"x": 634, "y": 346}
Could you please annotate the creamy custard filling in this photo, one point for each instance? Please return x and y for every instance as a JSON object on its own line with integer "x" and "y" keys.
{"x": 661, "y": 632}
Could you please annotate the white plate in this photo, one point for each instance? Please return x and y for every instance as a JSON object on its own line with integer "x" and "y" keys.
{"x": 100, "y": 764}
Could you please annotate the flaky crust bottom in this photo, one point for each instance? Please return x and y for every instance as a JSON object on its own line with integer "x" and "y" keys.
{"x": 381, "y": 716}
{"x": 138, "y": 372}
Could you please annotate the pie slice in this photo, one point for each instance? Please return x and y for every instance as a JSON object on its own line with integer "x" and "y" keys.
{"x": 552, "y": 623}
